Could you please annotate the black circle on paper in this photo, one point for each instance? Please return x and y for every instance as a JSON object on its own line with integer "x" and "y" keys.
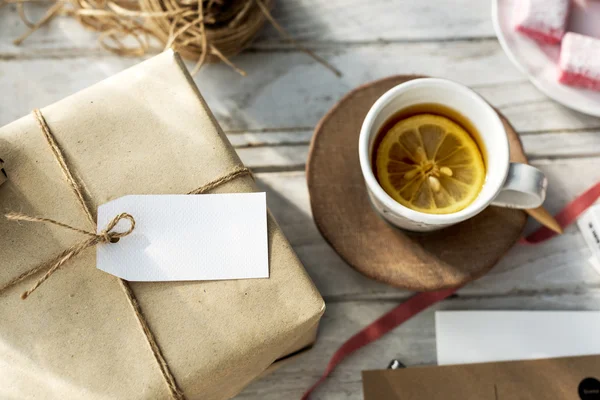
{"x": 589, "y": 389}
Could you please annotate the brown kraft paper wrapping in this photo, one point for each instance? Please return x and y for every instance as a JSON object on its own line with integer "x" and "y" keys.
{"x": 146, "y": 130}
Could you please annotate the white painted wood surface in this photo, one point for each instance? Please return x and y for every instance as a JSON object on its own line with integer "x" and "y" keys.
{"x": 269, "y": 117}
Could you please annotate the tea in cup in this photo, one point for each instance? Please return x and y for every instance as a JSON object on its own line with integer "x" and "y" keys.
{"x": 434, "y": 153}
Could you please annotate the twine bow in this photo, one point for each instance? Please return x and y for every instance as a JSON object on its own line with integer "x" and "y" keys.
{"x": 107, "y": 235}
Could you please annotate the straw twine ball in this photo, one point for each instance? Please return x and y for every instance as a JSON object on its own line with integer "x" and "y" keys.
{"x": 201, "y": 30}
{"x": 206, "y": 28}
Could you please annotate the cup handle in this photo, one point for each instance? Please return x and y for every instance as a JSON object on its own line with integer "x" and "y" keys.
{"x": 525, "y": 188}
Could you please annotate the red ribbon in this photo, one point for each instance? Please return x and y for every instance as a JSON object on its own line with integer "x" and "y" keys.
{"x": 381, "y": 326}
{"x": 566, "y": 216}
{"x": 424, "y": 300}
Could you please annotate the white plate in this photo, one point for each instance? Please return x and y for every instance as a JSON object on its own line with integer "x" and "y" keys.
{"x": 540, "y": 61}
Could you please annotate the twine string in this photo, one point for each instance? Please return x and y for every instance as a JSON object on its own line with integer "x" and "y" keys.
{"x": 60, "y": 158}
{"x": 107, "y": 235}
{"x": 293, "y": 41}
{"x": 50, "y": 14}
{"x": 207, "y": 187}
{"x": 235, "y": 173}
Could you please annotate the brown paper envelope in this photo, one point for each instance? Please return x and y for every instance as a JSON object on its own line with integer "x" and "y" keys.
{"x": 569, "y": 378}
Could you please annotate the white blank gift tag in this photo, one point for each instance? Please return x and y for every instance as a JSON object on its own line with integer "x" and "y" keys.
{"x": 187, "y": 237}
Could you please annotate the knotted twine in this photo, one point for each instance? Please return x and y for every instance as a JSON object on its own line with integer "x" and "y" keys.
{"x": 104, "y": 237}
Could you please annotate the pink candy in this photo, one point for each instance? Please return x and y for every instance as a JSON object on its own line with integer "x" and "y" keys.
{"x": 580, "y": 61}
{"x": 545, "y": 21}
{"x": 542, "y": 20}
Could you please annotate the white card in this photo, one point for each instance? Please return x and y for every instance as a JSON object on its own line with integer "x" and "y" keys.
{"x": 465, "y": 337}
{"x": 187, "y": 237}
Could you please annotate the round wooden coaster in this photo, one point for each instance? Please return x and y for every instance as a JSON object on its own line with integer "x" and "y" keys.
{"x": 417, "y": 261}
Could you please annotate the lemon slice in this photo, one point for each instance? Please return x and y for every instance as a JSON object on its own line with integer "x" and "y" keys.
{"x": 430, "y": 164}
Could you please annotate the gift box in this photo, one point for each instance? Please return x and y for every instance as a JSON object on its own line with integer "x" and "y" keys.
{"x": 87, "y": 334}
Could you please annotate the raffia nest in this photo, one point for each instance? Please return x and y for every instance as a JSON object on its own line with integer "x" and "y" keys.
{"x": 201, "y": 30}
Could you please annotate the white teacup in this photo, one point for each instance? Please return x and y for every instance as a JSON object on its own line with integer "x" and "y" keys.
{"x": 507, "y": 184}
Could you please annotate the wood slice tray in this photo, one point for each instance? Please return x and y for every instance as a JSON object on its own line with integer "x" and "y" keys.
{"x": 417, "y": 261}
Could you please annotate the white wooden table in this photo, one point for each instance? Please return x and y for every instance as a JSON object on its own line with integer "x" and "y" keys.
{"x": 269, "y": 117}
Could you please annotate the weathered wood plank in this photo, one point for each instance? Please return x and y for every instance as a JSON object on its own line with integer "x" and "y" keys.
{"x": 537, "y": 145}
{"x": 413, "y": 343}
{"x": 275, "y": 138}
{"x": 289, "y": 150}
{"x": 558, "y": 265}
{"x": 381, "y": 20}
{"x": 562, "y": 144}
{"x": 311, "y": 21}
{"x": 277, "y": 158}
{"x": 287, "y": 90}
